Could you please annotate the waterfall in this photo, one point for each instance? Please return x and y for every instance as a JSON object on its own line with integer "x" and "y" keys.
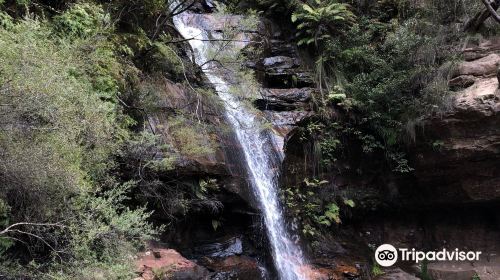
{"x": 261, "y": 158}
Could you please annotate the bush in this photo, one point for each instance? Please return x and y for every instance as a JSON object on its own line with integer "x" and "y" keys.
{"x": 61, "y": 131}
{"x": 82, "y": 20}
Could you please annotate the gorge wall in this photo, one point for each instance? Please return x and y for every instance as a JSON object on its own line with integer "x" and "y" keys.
{"x": 449, "y": 200}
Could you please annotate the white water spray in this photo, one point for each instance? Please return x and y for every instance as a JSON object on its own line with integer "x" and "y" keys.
{"x": 260, "y": 156}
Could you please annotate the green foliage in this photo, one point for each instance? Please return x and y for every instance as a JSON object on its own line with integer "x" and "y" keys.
{"x": 377, "y": 270}
{"x": 349, "y": 202}
{"x": 331, "y": 214}
{"x": 61, "y": 132}
{"x": 384, "y": 71}
{"x": 82, "y": 20}
{"x": 216, "y": 224}
{"x": 4, "y": 213}
{"x": 5, "y": 242}
{"x": 188, "y": 140}
{"x": 476, "y": 277}
{"x": 165, "y": 59}
{"x": 424, "y": 272}
{"x": 6, "y": 21}
{"x": 313, "y": 209}
{"x": 152, "y": 7}
{"x": 318, "y": 22}
{"x": 104, "y": 224}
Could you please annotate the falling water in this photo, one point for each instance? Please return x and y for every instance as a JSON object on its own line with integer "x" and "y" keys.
{"x": 260, "y": 157}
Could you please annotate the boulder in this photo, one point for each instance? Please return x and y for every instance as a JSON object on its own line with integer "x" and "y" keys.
{"x": 288, "y": 78}
{"x": 338, "y": 270}
{"x": 284, "y": 99}
{"x": 234, "y": 267}
{"x": 161, "y": 263}
{"x": 291, "y": 118}
{"x": 481, "y": 67}
{"x": 481, "y": 49}
{"x": 279, "y": 63}
{"x": 291, "y": 95}
{"x": 279, "y": 47}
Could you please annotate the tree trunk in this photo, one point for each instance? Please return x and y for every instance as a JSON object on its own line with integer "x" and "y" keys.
{"x": 476, "y": 22}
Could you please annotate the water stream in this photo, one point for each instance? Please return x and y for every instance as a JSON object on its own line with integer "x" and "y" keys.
{"x": 261, "y": 158}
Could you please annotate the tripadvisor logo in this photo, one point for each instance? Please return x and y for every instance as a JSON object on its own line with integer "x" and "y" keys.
{"x": 387, "y": 255}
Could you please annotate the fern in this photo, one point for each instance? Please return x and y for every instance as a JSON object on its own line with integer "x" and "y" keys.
{"x": 317, "y": 22}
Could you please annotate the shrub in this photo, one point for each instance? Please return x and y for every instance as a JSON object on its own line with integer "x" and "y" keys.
{"x": 190, "y": 139}
{"x": 61, "y": 130}
{"x": 82, "y": 20}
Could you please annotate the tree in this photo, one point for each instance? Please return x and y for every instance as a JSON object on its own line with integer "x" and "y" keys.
{"x": 321, "y": 20}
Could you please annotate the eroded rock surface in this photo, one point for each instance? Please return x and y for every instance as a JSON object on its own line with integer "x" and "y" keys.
{"x": 458, "y": 155}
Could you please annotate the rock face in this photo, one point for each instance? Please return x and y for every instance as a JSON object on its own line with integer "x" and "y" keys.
{"x": 288, "y": 86}
{"x": 451, "y": 199}
{"x": 461, "y": 163}
{"x": 163, "y": 264}
{"x": 487, "y": 269}
{"x": 235, "y": 267}
{"x": 168, "y": 264}
{"x": 285, "y": 99}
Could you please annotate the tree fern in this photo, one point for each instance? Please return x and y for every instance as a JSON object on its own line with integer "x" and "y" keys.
{"x": 322, "y": 20}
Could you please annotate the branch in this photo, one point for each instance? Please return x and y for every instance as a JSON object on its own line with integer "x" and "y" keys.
{"x": 211, "y": 40}
{"x": 475, "y": 23}
{"x": 492, "y": 11}
{"x": 172, "y": 14}
{"x": 11, "y": 227}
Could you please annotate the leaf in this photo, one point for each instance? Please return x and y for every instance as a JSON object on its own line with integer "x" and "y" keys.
{"x": 308, "y": 8}
{"x": 215, "y": 224}
{"x": 333, "y": 213}
{"x": 325, "y": 222}
{"x": 294, "y": 17}
{"x": 349, "y": 202}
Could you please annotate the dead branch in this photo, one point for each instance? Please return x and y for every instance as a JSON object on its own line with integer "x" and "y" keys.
{"x": 12, "y": 227}
{"x": 475, "y": 23}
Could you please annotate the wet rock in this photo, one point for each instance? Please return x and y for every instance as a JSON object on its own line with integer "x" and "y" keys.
{"x": 224, "y": 248}
{"x": 284, "y": 99}
{"x": 288, "y": 79}
{"x": 170, "y": 265}
{"x": 291, "y": 95}
{"x": 280, "y": 119}
{"x": 279, "y": 47}
{"x": 202, "y": 6}
{"x": 234, "y": 267}
{"x": 279, "y": 63}
{"x": 267, "y": 104}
